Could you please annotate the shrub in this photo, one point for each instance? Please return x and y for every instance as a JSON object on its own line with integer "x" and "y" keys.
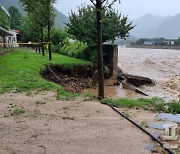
{"x": 73, "y": 48}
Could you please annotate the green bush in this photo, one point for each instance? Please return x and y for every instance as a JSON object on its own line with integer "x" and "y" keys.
{"x": 174, "y": 107}
{"x": 73, "y": 48}
{"x": 56, "y": 48}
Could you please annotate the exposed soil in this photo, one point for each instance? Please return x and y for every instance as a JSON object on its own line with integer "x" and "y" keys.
{"x": 52, "y": 126}
{"x": 74, "y": 79}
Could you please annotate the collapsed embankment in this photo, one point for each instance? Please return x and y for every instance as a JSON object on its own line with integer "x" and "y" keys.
{"x": 74, "y": 78}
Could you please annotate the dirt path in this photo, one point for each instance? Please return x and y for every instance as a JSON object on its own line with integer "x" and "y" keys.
{"x": 50, "y": 126}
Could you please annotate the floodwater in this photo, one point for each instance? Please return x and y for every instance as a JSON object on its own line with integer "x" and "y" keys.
{"x": 157, "y": 64}
{"x": 161, "y": 65}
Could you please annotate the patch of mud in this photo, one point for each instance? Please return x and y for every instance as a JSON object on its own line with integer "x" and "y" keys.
{"x": 172, "y": 85}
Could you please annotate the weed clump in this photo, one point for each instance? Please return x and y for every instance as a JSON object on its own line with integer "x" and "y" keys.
{"x": 66, "y": 96}
{"x": 154, "y": 104}
{"x": 18, "y": 111}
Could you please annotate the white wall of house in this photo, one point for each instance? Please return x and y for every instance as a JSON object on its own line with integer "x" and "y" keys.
{"x": 12, "y": 40}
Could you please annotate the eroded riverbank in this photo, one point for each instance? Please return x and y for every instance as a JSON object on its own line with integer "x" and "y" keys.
{"x": 161, "y": 65}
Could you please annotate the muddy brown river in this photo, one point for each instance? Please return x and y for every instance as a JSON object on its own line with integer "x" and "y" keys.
{"x": 161, "y": 65}
{"x": 157, "y": 64}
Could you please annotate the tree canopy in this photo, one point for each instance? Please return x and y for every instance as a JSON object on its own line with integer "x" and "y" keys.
{"x": 41, "y": 14}
{"x": 15, "y": 17}
{"x": 82, "y": 25}
{"x": 4, "y": 19}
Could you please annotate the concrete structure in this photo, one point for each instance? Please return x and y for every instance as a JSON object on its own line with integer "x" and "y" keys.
{"x": 171, "y": 133}
{"x": 4, "y": 34}
{"x": 13, "y": 39}
{"x": 110, "y": 51}
{"x": 8, "y": 39}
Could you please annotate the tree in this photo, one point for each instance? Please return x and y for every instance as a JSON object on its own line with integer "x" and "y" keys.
{"x": 58, "y": 36}
{"x": 49, "y": 15}
{"x": 82, "y": 25}
{"x": 28, "y": 30}
{"x": 96, "y": 24}
{"x": 41, "y": 13}
{"x": 4, "y": 19}
{"x": 15, "y": 17}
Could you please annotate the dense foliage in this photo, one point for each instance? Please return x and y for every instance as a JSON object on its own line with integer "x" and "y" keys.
{"x": 58, "y": 35}
{"x": 74, "y": 49}
{"x": 15, "y": 17}
{"x": 4, "y": 19}
{"x": 41, "y": 13}
{"x": 83, "y": 25}
{"x": 63, "y": 44}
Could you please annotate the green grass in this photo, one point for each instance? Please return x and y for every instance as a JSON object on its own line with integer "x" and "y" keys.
{"x": 17, "y": 111}
{"x": 20, "y": 70}
{"x": 66, "y": 96}
{"x": 154, "y": 104}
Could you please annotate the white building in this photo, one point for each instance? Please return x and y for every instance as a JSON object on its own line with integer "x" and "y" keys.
{"x": 13, "y": 39}
{"x": 8, "y": 39}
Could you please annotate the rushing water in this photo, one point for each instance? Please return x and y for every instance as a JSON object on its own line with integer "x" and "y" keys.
{"x": 161, "y": 65}
{"x": 157, "y": 64}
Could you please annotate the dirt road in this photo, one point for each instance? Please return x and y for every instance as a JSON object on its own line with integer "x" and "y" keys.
{"x": 50, "y": 126}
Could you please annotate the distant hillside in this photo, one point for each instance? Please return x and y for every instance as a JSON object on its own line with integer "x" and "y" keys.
{"x": 170, "y": 28}
{"x": 60, "y": 18}
{"x": 151, "y": 26}
{"x": 146, "y": 24}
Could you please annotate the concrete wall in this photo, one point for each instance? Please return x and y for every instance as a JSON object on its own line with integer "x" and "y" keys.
{"x": 111, "y": 58}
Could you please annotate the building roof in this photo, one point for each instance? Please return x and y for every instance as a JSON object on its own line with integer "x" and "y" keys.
{"x": 5, "y": 32}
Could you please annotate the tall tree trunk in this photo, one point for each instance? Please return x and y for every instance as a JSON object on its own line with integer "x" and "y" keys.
{"x": 39, "y": 48}
{"x": 36, "y": 47}
{"x": 49, "y": 39}
{"x": 42, "y": 40}
{"x": 100, "y": 52}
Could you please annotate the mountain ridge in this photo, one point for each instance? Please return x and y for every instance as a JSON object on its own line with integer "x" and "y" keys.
{"x": 60, "y": 20}
{"x": 151, "y": 26}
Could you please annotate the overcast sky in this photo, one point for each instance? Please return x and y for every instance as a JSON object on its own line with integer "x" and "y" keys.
{"x": 132, "y": 8}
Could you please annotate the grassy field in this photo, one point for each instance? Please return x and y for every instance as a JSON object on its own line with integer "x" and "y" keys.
{"x": 20, "y": 70}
